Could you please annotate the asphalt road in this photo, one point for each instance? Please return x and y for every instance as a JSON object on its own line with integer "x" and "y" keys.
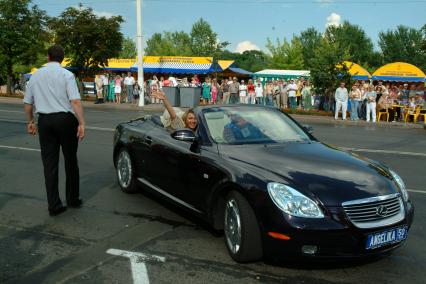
{"x": 81, "y": 245}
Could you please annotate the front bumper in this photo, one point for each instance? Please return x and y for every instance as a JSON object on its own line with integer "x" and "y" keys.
{"x": 332, "y": 237}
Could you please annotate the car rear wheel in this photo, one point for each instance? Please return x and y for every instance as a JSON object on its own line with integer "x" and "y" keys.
{"x": 242, "y": 233}
{"x": 125, "y": 176}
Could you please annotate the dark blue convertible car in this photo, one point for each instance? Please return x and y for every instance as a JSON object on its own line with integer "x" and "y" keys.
{"x": 263, "y": 179}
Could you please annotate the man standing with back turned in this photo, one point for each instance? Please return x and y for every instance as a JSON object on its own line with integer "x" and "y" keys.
{"x": 53, "y": 92}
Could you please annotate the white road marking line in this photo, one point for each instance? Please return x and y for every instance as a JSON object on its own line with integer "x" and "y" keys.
{"x": 383, "y": 151}
{"x": 87, "y": 127}
{"x": 137, "y": 263}
{"x": 19, "y": 148}
{"x": 13, "y": 120}
{"x": 416, "y": 191}
{"x": 15, "y": 111}
{"x": 100, "y": 128}
{"x": 21, "y": 111}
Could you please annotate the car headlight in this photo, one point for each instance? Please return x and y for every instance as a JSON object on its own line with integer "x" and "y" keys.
{"x": 400, "y": 184}
{"x": 293, "y": 202}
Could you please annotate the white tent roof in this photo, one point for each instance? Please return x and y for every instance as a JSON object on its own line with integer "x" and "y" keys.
{"x": 274, "y": 72}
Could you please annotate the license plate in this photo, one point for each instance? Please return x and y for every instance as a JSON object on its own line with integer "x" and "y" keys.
{"x": 383, "y": 238}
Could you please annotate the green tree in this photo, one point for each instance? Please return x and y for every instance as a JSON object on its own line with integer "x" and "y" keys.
{"x": 169, "y": 44}
{"x": 88, "y": 40}
{"x": 286, "y": 55}
{"x": 128, "y": 49}
{"x": 353, "y": 40}
{"x": 325, "y": 73}
{"x": 404, "y": 44}
{"x": 310, "y": 40}
{"x": 204, "y": 42}
{"x": 22, "y": 35}
{"x": 424, "y": 38}
{"x": 253, "y": 60}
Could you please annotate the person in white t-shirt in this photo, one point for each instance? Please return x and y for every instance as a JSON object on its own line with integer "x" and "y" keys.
{"x": 129, "y": 81}
{"x": 291, "y": 90}
{"x": 341, "y": 96}
{"x": 243, "y": 92}
{"x": 173, "y": 81}
{"x": 259, "y": 93}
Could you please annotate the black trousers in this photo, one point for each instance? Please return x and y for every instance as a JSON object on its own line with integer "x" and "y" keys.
{"x": 59, "y": 130}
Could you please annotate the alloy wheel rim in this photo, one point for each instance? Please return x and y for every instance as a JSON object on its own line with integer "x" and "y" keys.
{"x": 124, "y": 169}
{"x": 233, "y": 226}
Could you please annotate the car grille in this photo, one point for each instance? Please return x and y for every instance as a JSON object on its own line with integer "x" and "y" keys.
{"x": 375, "y": 212}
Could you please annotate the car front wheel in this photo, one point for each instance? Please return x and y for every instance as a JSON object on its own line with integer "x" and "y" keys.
{"x": 125, "y": 176}
{"x": 242, "y": 233}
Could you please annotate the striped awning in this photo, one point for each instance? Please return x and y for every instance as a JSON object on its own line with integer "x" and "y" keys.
{"x": 178, "y": 65}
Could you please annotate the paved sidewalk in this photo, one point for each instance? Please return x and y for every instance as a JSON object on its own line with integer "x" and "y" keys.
{"x": 300, "y": 118}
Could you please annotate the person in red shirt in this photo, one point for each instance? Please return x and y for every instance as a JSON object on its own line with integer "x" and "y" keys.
{"x": 251, "y": 92}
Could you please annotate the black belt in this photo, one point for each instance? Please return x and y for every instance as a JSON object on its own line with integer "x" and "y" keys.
{"x": 55, "y": 113}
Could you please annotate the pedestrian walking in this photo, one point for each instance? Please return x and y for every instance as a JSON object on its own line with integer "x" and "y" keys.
{"x": 53, "y": 92}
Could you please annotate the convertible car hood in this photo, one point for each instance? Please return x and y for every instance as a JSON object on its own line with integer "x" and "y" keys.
{"x": 314, "y": 169}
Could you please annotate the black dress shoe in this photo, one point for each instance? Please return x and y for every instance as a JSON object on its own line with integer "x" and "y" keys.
{"x": 76, "y": 204}
{"x": 57, "y": 210}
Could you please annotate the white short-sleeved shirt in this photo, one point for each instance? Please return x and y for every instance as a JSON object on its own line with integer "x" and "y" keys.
{"x": 259, "y": 91}
{"x": 51, "y": 88}
{"x": 129, "y": 81}
{"x": 292, "y": 88}
{"x": 243, "y": 90}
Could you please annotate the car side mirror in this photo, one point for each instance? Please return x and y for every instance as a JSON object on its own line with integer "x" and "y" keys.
{"x": 186, "y": 135}
{"x": 308, "y": 129}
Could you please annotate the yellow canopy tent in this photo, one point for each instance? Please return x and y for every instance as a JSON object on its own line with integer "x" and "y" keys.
{"x": 400, "y": 72}
{"x": 120, "y": 64}
{"x": 225, "y": 64}
{"x": 64, "y": 63}
{"x": 356, "y": 71}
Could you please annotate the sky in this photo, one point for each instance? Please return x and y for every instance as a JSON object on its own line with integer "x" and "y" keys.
{"x": 246, "y": 24}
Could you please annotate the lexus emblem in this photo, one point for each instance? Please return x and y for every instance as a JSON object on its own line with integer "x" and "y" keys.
{"x": 382, "y": 210}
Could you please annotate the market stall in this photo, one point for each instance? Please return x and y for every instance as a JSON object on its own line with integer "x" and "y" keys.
{"x": 178, "y": 65}
{"x": 356, "y": 71}
{"x": 229, "y": 69}
{"x": 272, "y": 74}
{"x": 399, "y": 72}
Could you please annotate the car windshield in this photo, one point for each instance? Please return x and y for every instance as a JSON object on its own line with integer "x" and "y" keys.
{"x": 251, "y": 125}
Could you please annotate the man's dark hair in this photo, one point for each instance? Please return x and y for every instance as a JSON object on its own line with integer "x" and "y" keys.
{"x": 56, "y": 53}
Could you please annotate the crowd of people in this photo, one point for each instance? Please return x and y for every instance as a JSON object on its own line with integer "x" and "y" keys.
{"x": 279, "y": 93}
{"x": 365, "y": 99}
{"x": 115, "y": 88}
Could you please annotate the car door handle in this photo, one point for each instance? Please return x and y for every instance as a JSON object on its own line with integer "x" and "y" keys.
{"x": 148, "y": 140}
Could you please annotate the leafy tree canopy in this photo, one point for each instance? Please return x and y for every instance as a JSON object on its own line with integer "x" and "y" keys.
{"x": 310, "y": 39}
{"x": 204, "y": 42}
{"x": 128, "y": 49}
{"x": 88, "y": 40}
{"x": 325, "y": 73}
{"x": 353, "y": 40}
{"x": 169, "y": 44}
{"x": 404, "y": 44}
{"x": 286, "y": 55}
{"x": 22, "y": 35}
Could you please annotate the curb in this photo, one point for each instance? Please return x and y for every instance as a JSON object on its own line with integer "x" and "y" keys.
{"x": 331, "y": 120}
{"x": 299, "y": 117}
{"x": 92, "y": 105}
